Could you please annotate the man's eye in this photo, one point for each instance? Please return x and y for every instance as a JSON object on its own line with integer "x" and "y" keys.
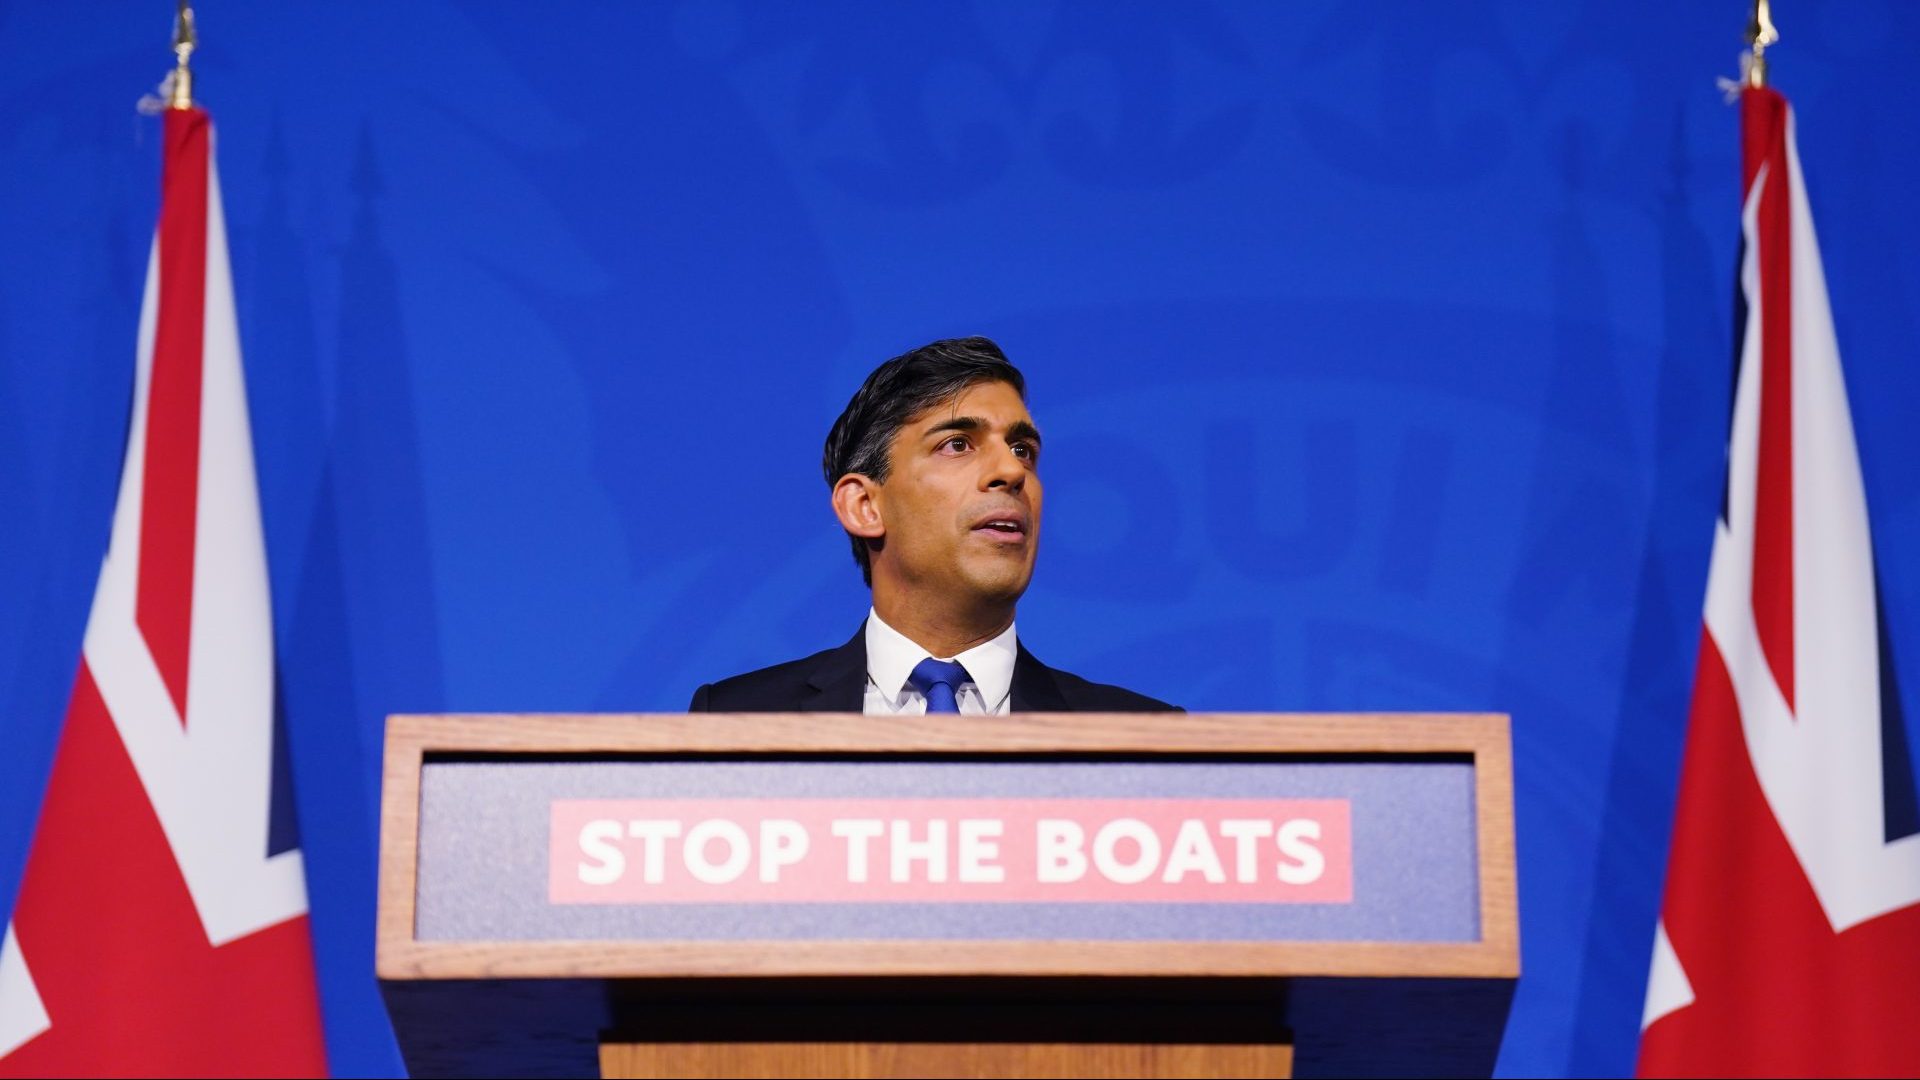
{"x": 957, "y": 443}
{"x": 1025, "y": 450}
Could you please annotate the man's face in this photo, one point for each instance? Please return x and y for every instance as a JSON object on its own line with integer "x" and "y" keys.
{"x": 961, "y": 503}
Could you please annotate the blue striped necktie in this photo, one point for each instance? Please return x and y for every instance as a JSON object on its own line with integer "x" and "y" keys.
{"x": 939, "y": 681}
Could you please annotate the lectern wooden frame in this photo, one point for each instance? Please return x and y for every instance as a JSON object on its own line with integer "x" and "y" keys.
{"x": 968, "y": 1007}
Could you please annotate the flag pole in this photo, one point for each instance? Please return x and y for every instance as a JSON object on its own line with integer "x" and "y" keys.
{"x": 1760, "y": 34}
{"x": 180, "y": 89}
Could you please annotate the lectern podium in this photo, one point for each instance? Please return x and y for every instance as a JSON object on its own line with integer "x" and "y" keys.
{"x": 1038, "y": 895}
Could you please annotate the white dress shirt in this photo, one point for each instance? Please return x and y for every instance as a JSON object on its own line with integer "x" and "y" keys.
{"x": 892, "y": 656}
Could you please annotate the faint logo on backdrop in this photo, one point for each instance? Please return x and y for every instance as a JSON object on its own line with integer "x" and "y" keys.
{"x": 1431, "y": 95}
{"x": 1240, "y": 536}
{"x": 916, "y": 105}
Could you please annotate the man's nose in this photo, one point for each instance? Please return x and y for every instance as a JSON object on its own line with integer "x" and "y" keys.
{"x": 1005, "y": 470}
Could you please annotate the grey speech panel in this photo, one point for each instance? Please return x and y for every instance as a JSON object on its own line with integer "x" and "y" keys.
{"x": 484, "y": 850}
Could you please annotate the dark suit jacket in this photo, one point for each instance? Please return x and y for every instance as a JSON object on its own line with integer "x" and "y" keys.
{"x": 836, "y": 681}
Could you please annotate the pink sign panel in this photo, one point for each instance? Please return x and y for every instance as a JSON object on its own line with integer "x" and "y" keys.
{"x": 827, "y": 851}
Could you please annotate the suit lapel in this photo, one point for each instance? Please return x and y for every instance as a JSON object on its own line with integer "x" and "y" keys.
{"x": 839, "y": 682}
{"x": 1034, "y": 687}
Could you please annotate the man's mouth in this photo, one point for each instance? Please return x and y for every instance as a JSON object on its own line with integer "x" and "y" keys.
{"x": 1006, "y": 528}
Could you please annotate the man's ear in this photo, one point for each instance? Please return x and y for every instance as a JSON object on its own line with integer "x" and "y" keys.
{"x": 856, "y": 502}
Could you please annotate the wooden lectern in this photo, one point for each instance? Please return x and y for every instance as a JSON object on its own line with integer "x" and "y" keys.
{"x": 1030, "y": 895}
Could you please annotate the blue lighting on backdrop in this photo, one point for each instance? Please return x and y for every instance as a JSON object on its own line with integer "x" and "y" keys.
{"x": 1381, "y": 348}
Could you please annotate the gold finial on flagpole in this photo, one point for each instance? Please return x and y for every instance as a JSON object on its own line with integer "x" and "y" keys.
{"x": 180, "y": 87}
{"x": 1760, "y": 34}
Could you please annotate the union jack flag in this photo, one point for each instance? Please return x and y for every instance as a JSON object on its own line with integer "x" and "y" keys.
{"x": 1789, "y": 938}
{"x": 161, "y": 927}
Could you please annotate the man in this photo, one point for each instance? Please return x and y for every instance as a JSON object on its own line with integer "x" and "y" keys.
{"x": 934, "y": 468}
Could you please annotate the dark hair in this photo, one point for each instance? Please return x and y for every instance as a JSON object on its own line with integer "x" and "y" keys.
{"x": 897, "y": 391}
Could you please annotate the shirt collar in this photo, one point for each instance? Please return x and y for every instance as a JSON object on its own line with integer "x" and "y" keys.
{"x": 892, "y": 656}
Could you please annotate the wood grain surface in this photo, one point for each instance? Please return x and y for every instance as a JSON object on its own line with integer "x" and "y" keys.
{"x": 1054, "y": 1061}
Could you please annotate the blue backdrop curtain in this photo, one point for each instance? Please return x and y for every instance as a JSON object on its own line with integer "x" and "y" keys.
{"x": 1382, "y": 351}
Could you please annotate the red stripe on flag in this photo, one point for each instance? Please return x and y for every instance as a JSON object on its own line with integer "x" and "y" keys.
{"x": 1776, "y": 991}
{"x": 170, "y": 494}
{"x": 130, "y": 983}
{"x": 1764, "y": 142}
